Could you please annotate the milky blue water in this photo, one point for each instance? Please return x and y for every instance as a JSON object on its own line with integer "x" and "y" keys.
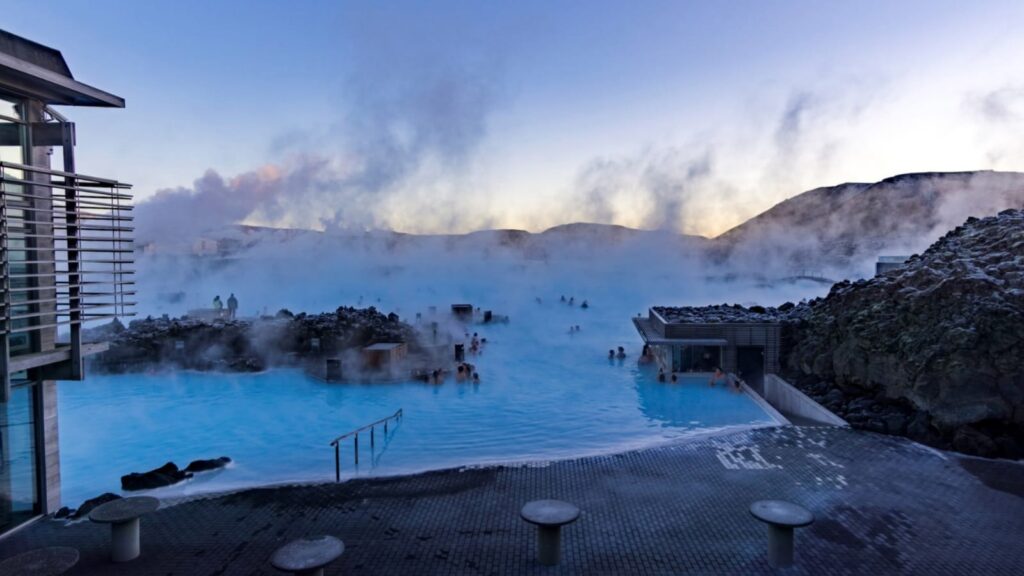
{"x": 545, "y": 393}
{"x": 531, "y": 405}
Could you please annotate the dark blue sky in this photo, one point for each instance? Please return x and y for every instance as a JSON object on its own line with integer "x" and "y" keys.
{"x": 535, "y": 113}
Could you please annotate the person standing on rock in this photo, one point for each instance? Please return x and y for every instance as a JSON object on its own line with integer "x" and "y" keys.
{"x": 218, "y": 306}
{"x": 232, "y": 306}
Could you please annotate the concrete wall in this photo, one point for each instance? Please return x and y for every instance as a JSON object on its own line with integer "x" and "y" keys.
{"x": 788, "y": 400}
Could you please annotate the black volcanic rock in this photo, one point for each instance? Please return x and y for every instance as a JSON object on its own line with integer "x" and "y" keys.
{"x": 732, "y": 313}
{"x": 934, "y": 349}
{"x": 243, "y": 345}
{"x": 165, "y": 475}
{"x": 205, "y": 465}
{"x": 89, "y": 504}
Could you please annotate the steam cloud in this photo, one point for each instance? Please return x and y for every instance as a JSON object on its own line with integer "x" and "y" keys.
{"x": 415, "y": 114}
{"x": 1001, "y": 115}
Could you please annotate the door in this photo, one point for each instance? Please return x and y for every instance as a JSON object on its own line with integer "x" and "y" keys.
{"x": 750, "y": 366}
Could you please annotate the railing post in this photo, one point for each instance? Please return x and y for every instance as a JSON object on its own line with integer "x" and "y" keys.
{"x": 356, "y": 445}
{"x": 5, "y": 301}
{"x": 385, "y": 429}
{"x": 371, "y": 438}
{"x": 75, "y": 315}
{"x": 337, "y": 463}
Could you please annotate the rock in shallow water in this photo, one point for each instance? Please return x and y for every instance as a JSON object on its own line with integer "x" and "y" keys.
{"x": 204, "y": 465}
{"x": 165, "y": 475}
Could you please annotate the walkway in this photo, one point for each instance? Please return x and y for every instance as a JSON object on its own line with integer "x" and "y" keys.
{"x": 884, "y": 506}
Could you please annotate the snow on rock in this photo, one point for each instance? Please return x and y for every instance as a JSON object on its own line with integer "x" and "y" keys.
{"x": 933, "y": 350}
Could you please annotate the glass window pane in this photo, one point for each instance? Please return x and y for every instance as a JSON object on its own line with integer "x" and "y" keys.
{"x": 19, "y": 499}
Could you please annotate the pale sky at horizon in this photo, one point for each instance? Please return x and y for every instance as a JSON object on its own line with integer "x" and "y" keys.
{"x": 453, "y": 116}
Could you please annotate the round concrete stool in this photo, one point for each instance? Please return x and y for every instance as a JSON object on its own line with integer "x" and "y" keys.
{"x": 781, "y": 517}
{"x": 549, "y": 516}
{"x": 42, "y": 562}
{"x": 308, "y": 556}
{"x": 123, "y": 516}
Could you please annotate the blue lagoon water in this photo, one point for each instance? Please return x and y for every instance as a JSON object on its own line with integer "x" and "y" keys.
{"x": 277, "y": 425}
{"x": 545, "y": 393}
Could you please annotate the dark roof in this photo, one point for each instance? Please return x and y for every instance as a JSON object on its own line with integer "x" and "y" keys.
{"x": 35, "y": 53}
{"x": 651, "y": 336}
{"x": 719, "y": 314}
{"x": 32, "y": 70}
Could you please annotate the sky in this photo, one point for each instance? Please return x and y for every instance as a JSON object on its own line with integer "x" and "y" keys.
{"x": 458, "y": 116}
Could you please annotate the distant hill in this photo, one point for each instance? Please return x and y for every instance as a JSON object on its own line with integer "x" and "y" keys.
{"x": 832, "y": 231}
{"x": 842, "y": 227}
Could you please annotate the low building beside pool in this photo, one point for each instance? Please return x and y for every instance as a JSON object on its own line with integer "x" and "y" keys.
{"x": 384, "y": 356}
{"x": 683, "y": 340}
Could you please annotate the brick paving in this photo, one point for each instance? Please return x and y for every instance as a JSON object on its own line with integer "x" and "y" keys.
{"x": 884, "y": 505}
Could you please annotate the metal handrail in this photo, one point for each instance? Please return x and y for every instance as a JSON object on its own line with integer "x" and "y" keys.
{"x": 336, "y": 443}
{"x": 52, "y": 172}
{"x": 73, "y": 232}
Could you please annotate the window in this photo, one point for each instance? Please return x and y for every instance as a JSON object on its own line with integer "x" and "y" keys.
{"x": 19, "y": 487}
{"x": 697, "y": 358}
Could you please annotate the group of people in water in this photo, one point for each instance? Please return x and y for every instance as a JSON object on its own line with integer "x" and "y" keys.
{"x": 717, "y": 377}
{"x": 464, "y": 372}
{"x": 572, "y": 302}
{"x": 619, "y": 355}
{"x": 647, "y": 357}
{"x": 476, "y": 343}
{"x": 218, "y": 306}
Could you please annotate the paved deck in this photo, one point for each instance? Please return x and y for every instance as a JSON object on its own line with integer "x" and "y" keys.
{"x": 884, "y": 506}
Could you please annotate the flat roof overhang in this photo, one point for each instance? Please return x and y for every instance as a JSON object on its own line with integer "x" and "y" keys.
{"x": 32, "y": 81}
{"x": 643, "y": 326}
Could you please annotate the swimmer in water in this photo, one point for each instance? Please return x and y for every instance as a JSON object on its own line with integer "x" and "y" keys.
{"x": 661, "y": 374}
{"x": 674, "y": 378}
{"x": 621, "y": 354}
{"x": 718, "y": 377}
{"x": 476, "y": 378}
{"x": 611, "y": 354}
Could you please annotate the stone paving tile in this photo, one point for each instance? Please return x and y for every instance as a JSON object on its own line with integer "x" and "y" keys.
{"x": 883, "y": 505}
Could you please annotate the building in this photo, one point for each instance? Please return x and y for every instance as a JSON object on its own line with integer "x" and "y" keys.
{"x": 384, "y": 356}
{"x": 65, "y": 258}
{"x": 681, "y": 342}
{"x": 887, "y": 263}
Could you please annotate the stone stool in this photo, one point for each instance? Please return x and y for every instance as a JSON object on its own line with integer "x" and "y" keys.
{"x": 308, "y": 556}
{"x": 549, "y": 516}
{"x": 123, "y": 516}
{"x": 42, "y": 562}
{"x": 781, "y": 518}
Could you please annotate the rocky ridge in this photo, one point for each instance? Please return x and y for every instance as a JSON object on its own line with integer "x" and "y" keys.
{"x": 933, "y": 350}
{"x": 242, "y": 345}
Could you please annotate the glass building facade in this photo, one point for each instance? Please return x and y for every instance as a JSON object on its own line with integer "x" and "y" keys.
{"x": 45, "y": 266}
{"x": 19, "y": 478}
